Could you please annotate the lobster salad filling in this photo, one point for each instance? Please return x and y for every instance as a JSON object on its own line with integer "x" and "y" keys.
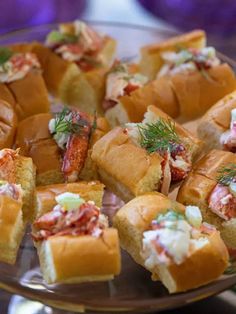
{"x": 222, "y": 200}
{"x": 173, "y": 237}
{"x": 77, "y": 43}
{"x": 71, "y": 216}
{"x": 121, "y": 82}
{"x": 160, "y": 137}
{"x": 228, "y": 138}
{"x": 15, "y": 66}
{"x": 71, "y": 129}
{"x": 11, "y": 190}
{"x": 8, "y": 164}
{"x": 188, "y": 60}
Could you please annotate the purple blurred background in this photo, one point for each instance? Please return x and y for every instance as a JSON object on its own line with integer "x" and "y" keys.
{"x": 15, "y": 14}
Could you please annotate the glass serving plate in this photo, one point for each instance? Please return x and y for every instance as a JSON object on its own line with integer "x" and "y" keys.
{"x": 133, "y": 290}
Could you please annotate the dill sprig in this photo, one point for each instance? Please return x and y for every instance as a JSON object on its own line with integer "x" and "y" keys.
{"x": 227, "y": 174}
{"x": 158, "y": 136}
{"x": 68, "y": 121}
{"x": 5, "y": 54}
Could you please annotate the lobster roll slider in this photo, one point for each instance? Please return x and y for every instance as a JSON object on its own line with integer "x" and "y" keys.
{"x": 45, "y": 195}
{"x": 60, "y": 145}
{"x": 20, "y": 171}
{"x": 22, "y": 84}
{"x": 144, "y": 157}
{"x": 171, "y": 241}
{"x": 211, "y": 186}
{"x": 74, "y": 242}
{"x": 217, "y": 128}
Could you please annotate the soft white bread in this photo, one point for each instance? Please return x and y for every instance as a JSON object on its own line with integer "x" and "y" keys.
{"x": 216, "y": 121}
{"x": 35, "y": 141}
{"x": 151, "y": 60}
{"x": 196, "y": 92}
{"x": 8, "y": 124}
{"x": 131, "y": 108}
{"x": 75, "y": 259}
{"x": 129, "y": 170}
{"x": 200, "y": 267}
{"x": 197, "y": 188}
{"x": 11, "y": 228}
{"x": 45, "y": 195}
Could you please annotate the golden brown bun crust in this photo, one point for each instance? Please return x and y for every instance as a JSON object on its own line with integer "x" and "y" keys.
{"x": 212, "y": 162}
{"x": 120, "y": 158}
{"x": 31, "y": 95}
{"x": 220, "y": 113}
{"x": 6, "y": 95}
{"x": 45, "y": 195}
{"x": 158, "y": 93}
{"x": 11, "y": 228}
{"x": 83, "y": 256}
{"x": 8, "y": 124}
{"x": 35, "y": 141}
{"x": 135, "y": 217}
{"x": 196, "y": 93}
{"x": 151, "y": 60}
{"x": 188, "y": 277}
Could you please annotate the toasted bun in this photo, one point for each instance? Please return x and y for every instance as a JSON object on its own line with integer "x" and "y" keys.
{"x": 58, "y": 73}
{"x": 25, "y": 176}
{"x": 216, "y": 121}
{"x": 135, "y": 217}
{"x": 131, "y": 108}
{"x": 35, "y": 141}
{"x": 197, "y": 189}
{"x": 6, "y": 95}
{"x": 8, "y": 124}
{"x": 128, "y": 164}
{"x": 45, "y": 195}
{"x": 197, "y": 93}
{"x": 11, "y": 228}
{"x": 212, "y": 162}
{"x": 151, "y": 60}
{"x": 31, "y": 95}
{"x": 200, "y": 268}
{"x": 75, "y": 259}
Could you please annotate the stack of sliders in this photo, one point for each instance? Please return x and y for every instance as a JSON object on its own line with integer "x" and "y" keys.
{"x": 75, "y": 59}
{"x": 211, "y": 186}
{"x": 144, "y": 157}
{"x": 21, "y": 83}
{"x": 17, "y": 177}
{"x": 73, "y": 240}
{"x": 171, "y": 241}
{"x": 192, "y": 70}
{"x": 217, "y": 128}
{"x": 60, "y": 145}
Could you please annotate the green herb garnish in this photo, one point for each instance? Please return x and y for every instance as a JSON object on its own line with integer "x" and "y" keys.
{"x": 5, "y": 54}
{"x": 67, "y": 122}
{"x": 170, "y": 215}
{"x": 158, "y": 136}
{"x": 57, "y": 37}
{"x": 227, "y": 174}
